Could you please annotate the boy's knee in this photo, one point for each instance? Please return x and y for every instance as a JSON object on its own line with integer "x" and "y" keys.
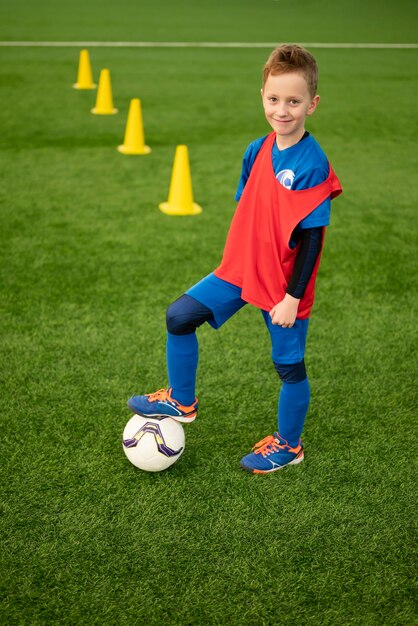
{"x": 291, "y": 373}
{"x": 185, "y": 315}
{"x": 176, "y": 319}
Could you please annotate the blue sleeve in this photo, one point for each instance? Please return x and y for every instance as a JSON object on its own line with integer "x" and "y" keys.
{"x": 245, "y": 172}
{"x": 247, "y": 163}
{"x": 321, "y": 215}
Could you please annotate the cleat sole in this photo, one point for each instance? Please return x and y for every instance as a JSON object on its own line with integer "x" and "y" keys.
{"x": 186, "y": 419}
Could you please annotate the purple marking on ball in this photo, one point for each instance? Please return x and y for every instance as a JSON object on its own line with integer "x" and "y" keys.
{"x": 155, "y": 430}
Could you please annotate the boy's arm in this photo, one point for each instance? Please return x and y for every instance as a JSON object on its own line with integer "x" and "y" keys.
{"x": 285, "y": 312}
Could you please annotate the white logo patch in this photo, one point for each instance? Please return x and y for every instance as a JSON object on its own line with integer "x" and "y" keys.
{"x": 286, "y": 178}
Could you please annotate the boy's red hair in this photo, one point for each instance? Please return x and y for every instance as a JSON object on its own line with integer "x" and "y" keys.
{"x": 293, "y": 58}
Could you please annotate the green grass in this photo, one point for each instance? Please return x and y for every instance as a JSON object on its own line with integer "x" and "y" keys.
{"x": 88, "y": 266}
{"x": 217, "y": 20}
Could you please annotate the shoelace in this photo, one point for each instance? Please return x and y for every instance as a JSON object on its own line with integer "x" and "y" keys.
{"x": 161, "y": 394}
{"x": 165, "y": 394}
{"x": 268, "y": 445}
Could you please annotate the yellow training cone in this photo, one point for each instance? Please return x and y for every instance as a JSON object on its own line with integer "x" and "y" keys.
{"x": 84, "y": 77}
{"x": 104, "y": 100}
{"x": 180, "y": 197}
{"x": 134, "y": 133}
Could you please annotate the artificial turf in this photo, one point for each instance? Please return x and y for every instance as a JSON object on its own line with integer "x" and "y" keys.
{"x": 88, "y": 267}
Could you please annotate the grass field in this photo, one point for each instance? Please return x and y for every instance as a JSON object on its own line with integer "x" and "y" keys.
{"x": 88, "y": 267}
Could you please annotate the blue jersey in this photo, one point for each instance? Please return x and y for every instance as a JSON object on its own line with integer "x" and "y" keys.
{"x": 301, "y": 166}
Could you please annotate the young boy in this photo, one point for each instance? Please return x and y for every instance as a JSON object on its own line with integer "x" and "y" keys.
{"x": 270, "y": 260}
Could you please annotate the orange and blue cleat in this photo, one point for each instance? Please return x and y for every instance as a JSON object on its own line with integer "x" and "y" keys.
{"x": 162, "y": 404}
{"x": 271, "y": 454}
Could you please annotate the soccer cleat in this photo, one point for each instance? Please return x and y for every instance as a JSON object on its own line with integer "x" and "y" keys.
{"x": 271, "y": 454}
{"x": 161, "y": 404}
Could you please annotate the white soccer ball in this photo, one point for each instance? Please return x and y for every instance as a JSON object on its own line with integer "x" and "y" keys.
{"x": 151, "y": 443}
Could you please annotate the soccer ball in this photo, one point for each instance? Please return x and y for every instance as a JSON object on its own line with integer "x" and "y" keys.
{"x": 152, "y": 443}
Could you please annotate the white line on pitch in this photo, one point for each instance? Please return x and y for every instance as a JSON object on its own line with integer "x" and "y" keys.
{"x": 197, "y": 44}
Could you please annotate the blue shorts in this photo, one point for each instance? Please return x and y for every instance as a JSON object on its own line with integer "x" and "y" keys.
{"x": 224, "y": 300}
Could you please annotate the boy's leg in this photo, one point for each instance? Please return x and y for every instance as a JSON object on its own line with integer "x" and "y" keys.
{"x": 288, "y": 352}
{"x": 183, "y": 317}
{"x": 294, "y": 400}
{"x": 285, "y": 446}
{"x": 212, "y": 300}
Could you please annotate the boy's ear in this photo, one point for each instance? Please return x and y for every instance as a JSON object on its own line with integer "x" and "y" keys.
{"x": 314, "y": 104}
{"x": 261, "y": 91}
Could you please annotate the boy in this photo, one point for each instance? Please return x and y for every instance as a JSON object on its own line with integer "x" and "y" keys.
{"x": 270, "y": 260}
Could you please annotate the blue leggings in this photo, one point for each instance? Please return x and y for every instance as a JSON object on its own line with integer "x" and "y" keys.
{"x": 187, "y": 313}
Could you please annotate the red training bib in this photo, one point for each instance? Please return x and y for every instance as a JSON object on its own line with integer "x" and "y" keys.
{"x": 257, "y": 256}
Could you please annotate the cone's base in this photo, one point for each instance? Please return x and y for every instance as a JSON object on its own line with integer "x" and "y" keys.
{"x": 78, "y": 86}
{"x": 169, "y": 209}
{"x": 125, "y": 150}
{"x": 97, "y": 111}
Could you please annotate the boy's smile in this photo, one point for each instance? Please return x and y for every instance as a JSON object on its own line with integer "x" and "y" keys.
{"x": 287, "y": 102}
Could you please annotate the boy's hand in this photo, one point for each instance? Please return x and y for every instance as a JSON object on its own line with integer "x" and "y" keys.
{"x": 284, "y": 313}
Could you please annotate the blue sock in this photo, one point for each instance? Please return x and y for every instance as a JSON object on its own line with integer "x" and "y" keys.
{"x": 293, "y": 407}
{"x": 182, "y": 358}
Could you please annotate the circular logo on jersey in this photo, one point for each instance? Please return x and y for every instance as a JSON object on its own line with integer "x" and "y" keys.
{"x": 286, "y": 178}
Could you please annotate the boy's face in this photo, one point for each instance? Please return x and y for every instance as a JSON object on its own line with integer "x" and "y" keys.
{"x": 287, "y": 102}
